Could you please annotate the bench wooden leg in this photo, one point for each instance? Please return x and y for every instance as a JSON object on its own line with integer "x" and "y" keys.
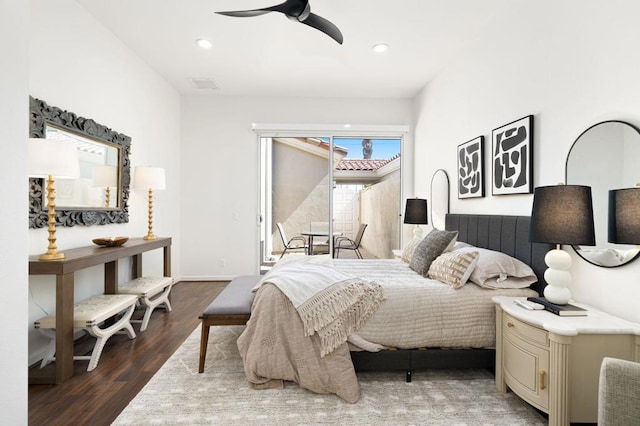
{"x": 204, "y": 341}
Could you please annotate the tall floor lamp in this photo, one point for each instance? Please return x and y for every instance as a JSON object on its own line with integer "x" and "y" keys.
{"x": 105, "y": 177}
{"x": 149, "y": 178}
{"x": 415, "y": 213}
{"x": 51, "y": 159}
{"x": 561, "y": 214}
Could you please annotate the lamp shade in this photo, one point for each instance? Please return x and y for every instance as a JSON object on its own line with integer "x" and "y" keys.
{"x": 105, "y": 177}
{"x": 624, "y": 216}
{"x": 145, "y": 177}
{"x": 52, "y": 157}
{"x": 415, "y": 211}
{"x": 562, "y": 214}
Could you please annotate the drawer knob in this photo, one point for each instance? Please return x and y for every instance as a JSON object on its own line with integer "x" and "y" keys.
{"x": 510, "y": 325}
{"x": 542, "y": 375}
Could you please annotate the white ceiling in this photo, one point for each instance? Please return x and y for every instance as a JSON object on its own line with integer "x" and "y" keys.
{"x": 270, "y": 55}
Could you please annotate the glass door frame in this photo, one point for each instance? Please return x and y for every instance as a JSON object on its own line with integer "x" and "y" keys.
{"x": 274, "y": 130}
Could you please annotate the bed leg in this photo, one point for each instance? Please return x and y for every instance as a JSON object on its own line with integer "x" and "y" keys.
{"x": 408, "y": 379}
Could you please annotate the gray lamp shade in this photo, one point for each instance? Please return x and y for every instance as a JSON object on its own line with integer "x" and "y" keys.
{"x": 624, "y": 216}
{"x": 415, "y": 211}
{"x": 562, "y": 214}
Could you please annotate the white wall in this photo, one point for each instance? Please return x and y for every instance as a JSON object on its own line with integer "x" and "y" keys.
{"x": 220, "y": 177}
{"x": 78, "y": 65}
{"x": 570, "y": 64}
{"x": 14, "y": 30}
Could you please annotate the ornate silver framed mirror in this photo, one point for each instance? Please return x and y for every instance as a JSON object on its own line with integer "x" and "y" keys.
{"x": 100, "y": 196}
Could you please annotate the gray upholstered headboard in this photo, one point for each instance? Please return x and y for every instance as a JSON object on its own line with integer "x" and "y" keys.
{"x": 508, "y": 234}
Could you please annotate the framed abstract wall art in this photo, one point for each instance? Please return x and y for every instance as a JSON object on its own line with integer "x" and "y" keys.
{"x": 471, "y": 168}
{"x": 512, "y": 157}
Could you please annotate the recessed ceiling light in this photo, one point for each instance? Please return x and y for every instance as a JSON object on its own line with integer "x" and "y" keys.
{"x": 204, "y": 43}
{"x": 380, "y": 47}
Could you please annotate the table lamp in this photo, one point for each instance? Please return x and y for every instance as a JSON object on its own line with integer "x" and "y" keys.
{"x": 149, "y": 178}
{"x": 561, "y": 214}
{"x": 105, "y": 177}
{"x": 51, "y": 159}
{"x": 415, "y": 213}
{"x": 624, "y": 216}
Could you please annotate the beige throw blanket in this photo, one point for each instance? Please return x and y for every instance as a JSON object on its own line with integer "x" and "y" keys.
{"x": 329, "y": 302}
{"x": 274, "y": 349}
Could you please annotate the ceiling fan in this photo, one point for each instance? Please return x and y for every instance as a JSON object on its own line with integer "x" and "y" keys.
{"x": 296, "y": 10}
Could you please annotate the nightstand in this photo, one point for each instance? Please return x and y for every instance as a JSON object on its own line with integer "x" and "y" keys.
{"x": 553, "y": 362}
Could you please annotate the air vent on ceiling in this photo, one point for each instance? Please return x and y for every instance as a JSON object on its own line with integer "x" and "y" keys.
{"x": 204, "y": 83}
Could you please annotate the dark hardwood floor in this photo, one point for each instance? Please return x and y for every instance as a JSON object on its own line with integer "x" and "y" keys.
{"x": 97, "y": 397}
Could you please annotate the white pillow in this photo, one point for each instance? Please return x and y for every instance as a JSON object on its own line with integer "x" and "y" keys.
{"x": 460, "y": 244}
{"x": 495, "y": 269}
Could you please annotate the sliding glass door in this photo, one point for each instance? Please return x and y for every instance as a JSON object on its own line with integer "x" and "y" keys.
{"x": 314, "y": 189}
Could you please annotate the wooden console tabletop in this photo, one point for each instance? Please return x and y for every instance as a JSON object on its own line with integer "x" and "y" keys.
{"x": 75, "y": 260}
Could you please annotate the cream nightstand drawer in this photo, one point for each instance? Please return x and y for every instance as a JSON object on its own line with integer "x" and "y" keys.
{"x": 526, "y": 370}
{"x": 521, "y": 330}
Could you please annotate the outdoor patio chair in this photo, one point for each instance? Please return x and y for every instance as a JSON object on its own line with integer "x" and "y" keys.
{"x": 295, "y": 243}
{"x": 346, "y": 243}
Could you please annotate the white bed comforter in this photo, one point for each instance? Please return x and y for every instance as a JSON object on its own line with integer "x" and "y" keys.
{"x": 420, "y": 312}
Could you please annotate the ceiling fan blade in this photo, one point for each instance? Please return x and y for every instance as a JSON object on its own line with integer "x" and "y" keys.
{"x": 244, "y": 13}
{"x": 327, "y": 27}
{"x": 291, "y": 8}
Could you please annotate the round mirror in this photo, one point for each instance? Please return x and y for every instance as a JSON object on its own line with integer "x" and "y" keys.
{"x": 439, "y": 198}
{"x": 605, "y": 157}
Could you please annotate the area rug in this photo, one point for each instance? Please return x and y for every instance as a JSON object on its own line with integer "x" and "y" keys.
{"x": 178, "y": 395}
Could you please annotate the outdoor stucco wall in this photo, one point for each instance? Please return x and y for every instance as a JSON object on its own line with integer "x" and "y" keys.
{"x": 300, "y": 191}
{"x": 380, "y": 209}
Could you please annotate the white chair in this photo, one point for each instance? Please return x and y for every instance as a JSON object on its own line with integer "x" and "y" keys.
{"x": 88, "y": 315}
{"x": 152, "y": 292}
{"x": 346, "y": 243}
{"x": 295, "y": 243}
{"x": 619, "y": 393}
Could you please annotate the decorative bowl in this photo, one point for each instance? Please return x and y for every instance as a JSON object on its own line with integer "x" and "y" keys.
{"x": 110, "y": 241}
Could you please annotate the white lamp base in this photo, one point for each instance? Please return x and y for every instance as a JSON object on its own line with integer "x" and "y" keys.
{"x": 558, "y": 277}
{"x": 417, "y": 232}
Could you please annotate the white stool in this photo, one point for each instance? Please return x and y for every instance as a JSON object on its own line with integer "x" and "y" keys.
{"x": 147, "y": 288}
{"x": 88, "y": 314}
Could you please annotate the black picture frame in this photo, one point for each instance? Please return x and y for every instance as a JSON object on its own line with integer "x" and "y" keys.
{"x": 512, "y": 157}
{"x": 471, "y": 168}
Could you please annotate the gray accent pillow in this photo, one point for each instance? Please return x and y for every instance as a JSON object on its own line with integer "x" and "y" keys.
{"x": 429, "y": 248}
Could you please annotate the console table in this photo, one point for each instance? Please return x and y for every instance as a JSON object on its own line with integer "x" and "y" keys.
{"x": 64, "y": 269}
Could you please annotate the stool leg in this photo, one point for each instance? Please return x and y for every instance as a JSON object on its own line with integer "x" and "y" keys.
{"x": 152, "y": 304}
{"x": 147, "y": 317}
{"x": 167, "y": 305}
{"x": 102, "y": 335}
{"x": 51, "y": 350}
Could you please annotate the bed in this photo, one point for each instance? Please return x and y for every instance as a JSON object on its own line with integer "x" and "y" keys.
{"x": 433, "y": 326}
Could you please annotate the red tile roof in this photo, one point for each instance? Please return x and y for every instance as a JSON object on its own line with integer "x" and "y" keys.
{"x": 363, "y": 165}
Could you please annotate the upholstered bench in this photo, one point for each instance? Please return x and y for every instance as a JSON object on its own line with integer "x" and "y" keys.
{"x": 152, "y": 292}
{"x": 231, "y": 307}
{"x": 88, "y": 315}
